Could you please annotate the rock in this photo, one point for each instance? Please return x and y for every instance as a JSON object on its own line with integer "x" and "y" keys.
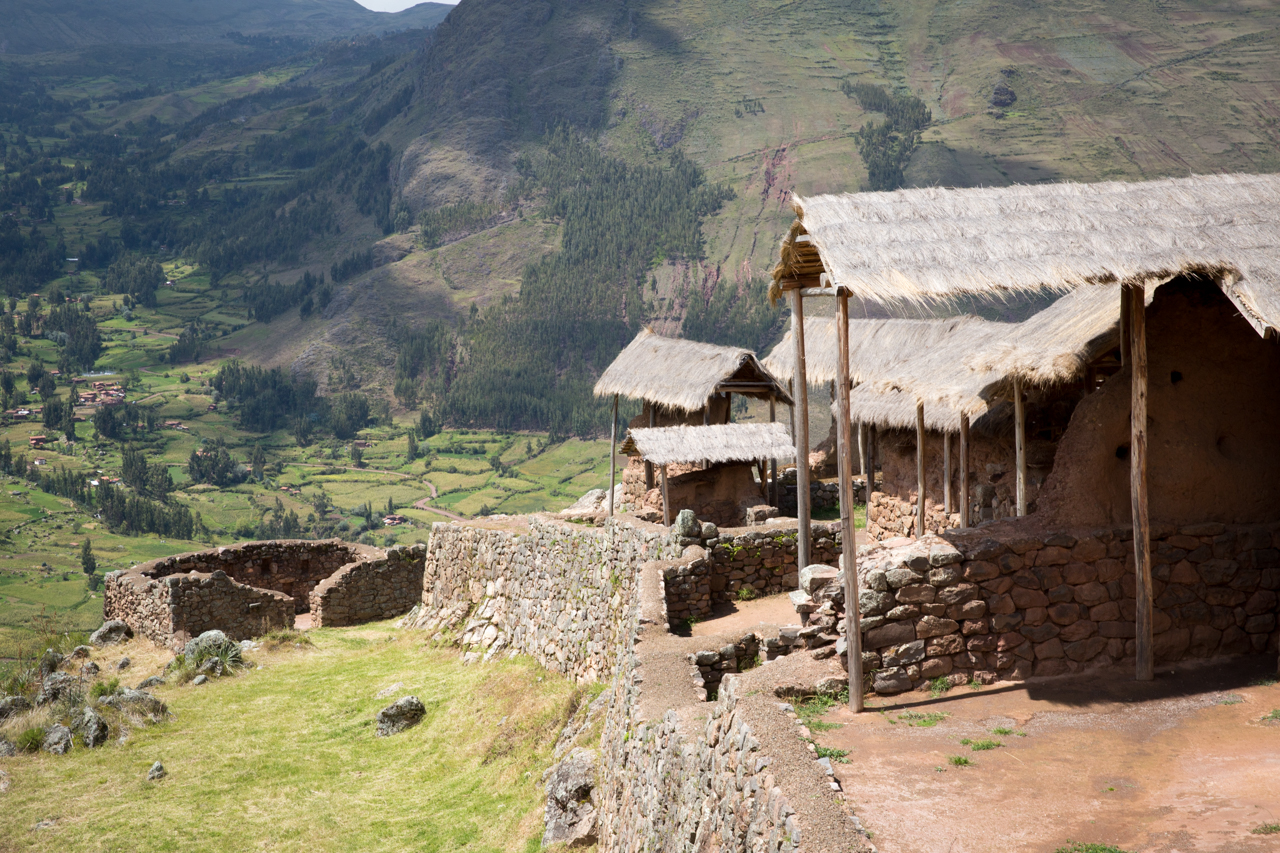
{"x": 200, "y": 679}
{"x": 400, "y": 715}
{"x": 831, "y": 685}
{"x": 388, "y": 691}
{"x": 49, "y": 663}
{"x": 112, "y": 631}
{"x": 571, "y": 810}
{"x": 11, "y": 705}
{"x": 687, "y": 525}
{"x": 57, "y": 740}
{"x": 212, "y": 643}
{"x": 123, "y": 664}
{"x": 153, "y": 681}
{"x": 816, "y": 576}
{"x": 944, "y": 554}
{"x": 709, "y": 530}
{"x": 89, "y": 669}
{"x": 802, "y": 602}
{"x": 1003, "y": 96}
{"x": 212, "y": 666}
{"x": 590, "y": 502}
{"x": 57, "y": 685}
{"x": 157, "y": 772}
{"x": 80, "y": 652}
{"x": 891, "y": 681}
{"x": 92, "y": 728}
{"x": 7, "y": 750}
{"x": 135, "y": 700}
{"x": 825, "y": 764}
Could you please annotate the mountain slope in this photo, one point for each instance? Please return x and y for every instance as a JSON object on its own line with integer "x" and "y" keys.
{"x": 45, "y": 25}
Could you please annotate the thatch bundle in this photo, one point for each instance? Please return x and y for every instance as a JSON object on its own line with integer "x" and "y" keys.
{"x": 683, "y": 375}
{"x": 715, "y": 443}
{"x": 928, "y": 244}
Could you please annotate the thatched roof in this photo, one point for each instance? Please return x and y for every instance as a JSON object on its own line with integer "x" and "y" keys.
{"x": 897, "y": 410}
{"x": 715, "y": 443}
{"x": 683, "y": 374}
{"x": 926, "y": 244}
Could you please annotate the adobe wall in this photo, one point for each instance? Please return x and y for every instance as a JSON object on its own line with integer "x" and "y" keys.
{"x": 1213, "y": 424}
{"x": 244, "y": 589}
{"x": 722, "y": 494}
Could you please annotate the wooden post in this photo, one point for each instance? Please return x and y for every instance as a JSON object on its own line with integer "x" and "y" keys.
{"x": 613, "y": 453}
{"x": 862, "y": 452}
{"x": 1135, "y": 297}
{"x": 964, "y": 470}
{"x": 849, "y": 550}
{"x": 666, "y": 499}
{"x": 803, "y": 534}
{"x": 919, "y": 469}
{"x": 871, "y": 461}
{"x": 1126, "y": 330}
{"x": 648, "y": 466}
{"x": 772, "y": 495}
{"x": 946, "y": 475}
{"x": 1020, "y": 443}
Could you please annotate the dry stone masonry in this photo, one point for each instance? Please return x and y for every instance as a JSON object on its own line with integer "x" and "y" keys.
{"x": 248, "y": 589}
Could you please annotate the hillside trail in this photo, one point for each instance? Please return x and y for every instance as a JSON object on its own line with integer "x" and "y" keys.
{"x": 423, "y": 505}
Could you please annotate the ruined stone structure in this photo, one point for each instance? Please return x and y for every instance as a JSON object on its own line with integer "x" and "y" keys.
{"x": 253, "y": 587}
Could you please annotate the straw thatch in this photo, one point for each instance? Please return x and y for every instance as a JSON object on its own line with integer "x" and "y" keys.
{"x": 683, "y": 374}
{"x": 716, "y": 443}
{"x": 925, "y": 244}
{"x": 896, "y": 409}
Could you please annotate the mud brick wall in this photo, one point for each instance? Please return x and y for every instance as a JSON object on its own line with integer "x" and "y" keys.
{"x": 762, "y": 559}
{"x": 369, "y": 589}
{"x": 1009, "y": 605}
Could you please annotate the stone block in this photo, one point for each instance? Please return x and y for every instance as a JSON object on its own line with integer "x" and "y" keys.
{"x": 1172, "y": 644}
{"x": 944, "y": 554}
{"x": 891, "y": 681}
{"x": 904, "y": 611}
{"x": 949, "y": 645}
{"x": 1049, "y": 650}
{"x": 890, "y": 634}
{"x": 980, "y": 570}
{"x": 1041, "y": 633}
{"x": 1078, "y": 630}
{"x": 936, "y": 667}
{"x": 903, "y": 655}
{"x": 1064, "y": 614}
{"x": 933, "y": 626}
{"x": 916, "y": 594}
{"x": 901, "y": 576}
{"x": 1053, "y": 556}
{"x": 1024, "y": 598}
{"x": 815, "y": 577}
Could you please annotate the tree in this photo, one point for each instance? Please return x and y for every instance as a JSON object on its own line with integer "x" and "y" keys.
{"x": 427, "y": 426}
{"x": 88, "y": 562}
{"x": 357, "y": 456}
{"x": 257, "y": 460}
{"x": 69, "y": 421}
{"x": 412, "y": 452}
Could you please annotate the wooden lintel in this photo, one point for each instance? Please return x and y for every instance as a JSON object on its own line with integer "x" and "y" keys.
{"x": 801, "y": 282}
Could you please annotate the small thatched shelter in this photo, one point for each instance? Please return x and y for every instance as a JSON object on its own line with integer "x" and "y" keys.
{"x": 714, "y": 444}
{"x": 688, "y": 384}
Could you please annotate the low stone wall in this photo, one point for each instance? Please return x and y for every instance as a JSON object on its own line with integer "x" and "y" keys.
{"x": 821, "y": 495}
{"x": 761, "y": 559}
{"x": 1007, "y": 603}
{"x": 889, "y": 516}
{"x": 252, "y": 587}
{"x": 369, "y": 589}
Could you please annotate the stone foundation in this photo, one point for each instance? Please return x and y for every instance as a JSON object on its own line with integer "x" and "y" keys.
{"x": 248, "y": 589}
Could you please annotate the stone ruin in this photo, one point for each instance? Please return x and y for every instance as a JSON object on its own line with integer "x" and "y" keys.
{"x": 250, "y": 588}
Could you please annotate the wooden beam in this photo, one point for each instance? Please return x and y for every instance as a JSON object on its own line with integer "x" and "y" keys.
{"x": 801, "y": 409}
{"x": 666, "y": 498}
{"x": 801, "y": 282}
{"x": 1126, "y": 332}
{"x": 964, "y": 470}
{"x": 648, "y": 466}
{"x": 1020, "y": 443}
{"x": 844, "y": 464}
{"x": 862, "y": 451}
{"x": 772, "y": 495}
{"x": 613, "y": 453}
{"x": 919, "y": 469}
{"x": 946, "y": 474}
{"x": 1136, "y": 299}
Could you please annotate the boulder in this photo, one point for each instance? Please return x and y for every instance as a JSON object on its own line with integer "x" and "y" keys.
{"x": 57, "y": 685}
{"x": 57, "y": 740}
{"x": 213, "y": 667}
{"x": 157, "y": 772}
{"x": 92, "y": 728}
{"x": 123, "y": 664}
{"x": 591, "y": 502}
{"x": 49, "y": 663}
{"x": 200, "y": 679}
{"x": 687, "y": 525}
{"x": 571, "y": 809}
{"x": 709, "y": 530}
{"x": 11, "y": 705}
{"x": 400, "y": 715}
{"x": 89, "y": 669}
{"x": 135, "y": 700}
{"x": 891, "y": 681}
{"x": 80, "y": 652}
{"x": 211, "y": 643}
{"x": 7, "y": 750}
{"x": 112, "y": 631}
{"x": 816, "y": 576}
{"x": 153, "y": 681}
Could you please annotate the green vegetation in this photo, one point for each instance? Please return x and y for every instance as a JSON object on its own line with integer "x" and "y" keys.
{"x": 923, "y": 721}
{"x": 939, "y": 686}
{"x": 1266, "y": 829}
{"x": 886, "y": 148}
{"x": 838, "y": 755}
{"x": 1273, "y": 717}
{"x": 959, "y": 761}
{"x": 1081, "y": 847}
{"x": 982, "y": 744}
{"x": 811, "y": 709}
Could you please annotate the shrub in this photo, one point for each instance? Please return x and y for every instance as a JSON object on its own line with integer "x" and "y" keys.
{"x": 104, "y": 688}
{"x": 279, "y": 637}
{"x": 980, "y": 745}
{"x": 746, "y": 593}
{"x": 1266, "y": 829}
{"x": 30, "y": 739}
{"x": 1080, "y": 847}
{"x": 958, "y": 761}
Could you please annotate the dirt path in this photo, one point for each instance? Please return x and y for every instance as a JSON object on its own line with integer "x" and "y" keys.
{"x": 1181, "y": 764}
{"x": 422, "y": 504}
{"x": 739, "y": 617}
{"x": 354, "y": 468}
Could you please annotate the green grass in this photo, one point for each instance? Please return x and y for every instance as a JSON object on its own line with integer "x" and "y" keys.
{"x": 1081, "y": 847}
{"x": 285, "y": 758}
{"x": 814, "y": 707}
{"x": 959, "y": 761}
{"x": 981, "y": 745}
{"x": 838, "y": 755}
{"x": 1266, "y": 829}
{"x": 1273, "y": 717}
{"x": 923, "y": 721}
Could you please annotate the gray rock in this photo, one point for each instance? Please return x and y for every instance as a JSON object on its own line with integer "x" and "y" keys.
{"x": 11, "y": 705}
{"x": 944, "y": 554}
{"x": 57, "y": 740}
{"x": 891, "y": 681}
{"x": 200, "y": 679}
{"x": 89, "y": 669}
{"x": 709, "y": 530}
{"x": 825, "y": 764}
{"x": 157, "y": 772}
{"x": 902, "y": 576}
{"x": 832, "y": 685}
{"x": 92, "y": 728}
{"x": 687, "y": 525}
{"x": 400, "y": 715}
{"x": 571, "y": 802}
{"x": 112, "y": 631}
{"x": 49, "y": 663}
{"x": 80, "y": 652}
{"x": 213, "y": 667}
{"x": 57, "y": 685}
{"x": 816, "y": 576}
{"x": 211, "y": 643}
{"x": 7, "y": 750}
{"x": 802, "y": 602}
{"x": 153, "y": 681}
{"x": 135, "y": 700}
{"x": 123, "y": 664}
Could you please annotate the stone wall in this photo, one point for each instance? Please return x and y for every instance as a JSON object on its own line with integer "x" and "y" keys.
{"x": 763, "y": 559}
{"x": 245, "y": 589}
{"x": 1008, "y": 603}
{"x": 890, "y": 516}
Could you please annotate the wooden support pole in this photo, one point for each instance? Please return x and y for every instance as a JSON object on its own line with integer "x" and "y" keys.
{"x": 666, "y": 498}
{"x": 871, "y": 461}
{"x": 849, "y": 545}
{"x": 1126, "y": 331}
{"x": 801, "y": 432}
{"x": 648, "y": 466}
{"x": 919, "y": 469}
{"x": 964, "y": 470}
{"x": 862, "y": 452}
{"x": 946, "y": 474}
{"x": 772, "y": 495}
{"x": 613, "y": 453}
{"x": 1135, "y": 297}
{"x": 1020, "y": 443}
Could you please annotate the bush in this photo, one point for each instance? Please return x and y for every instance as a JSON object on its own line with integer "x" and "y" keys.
{"x": 274, "y": 639}
{"x": 746, "y": 593}
{"x": 104, "y": 688}
{"x": 30, "y": 740}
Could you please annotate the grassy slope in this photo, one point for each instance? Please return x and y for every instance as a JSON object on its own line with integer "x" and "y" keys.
{"x": 285, "y": 758}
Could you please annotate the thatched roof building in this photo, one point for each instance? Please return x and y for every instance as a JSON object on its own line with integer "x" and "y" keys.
{"x": 925, "y": 244}
{"x": 716, "y": 443}
{"x": 684, "y": 375}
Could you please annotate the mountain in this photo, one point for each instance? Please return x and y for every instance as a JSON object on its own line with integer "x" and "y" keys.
{"x": 33, "y": 26}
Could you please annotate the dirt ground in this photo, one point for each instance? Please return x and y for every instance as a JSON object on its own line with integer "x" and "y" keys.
{"x": 739, "y": 617}
{"x": 1177, "y": 765}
